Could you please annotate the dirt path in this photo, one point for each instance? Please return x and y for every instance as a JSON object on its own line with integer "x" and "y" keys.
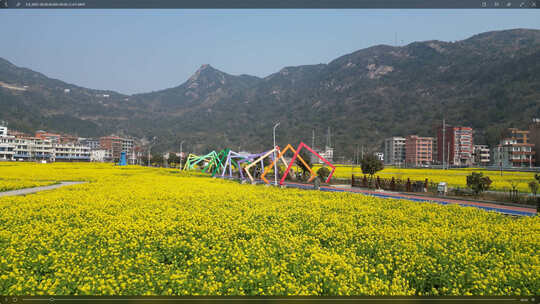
{"x": 37, "y": 189}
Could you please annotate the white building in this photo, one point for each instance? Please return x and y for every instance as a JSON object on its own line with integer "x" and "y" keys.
{"x": 93, "y": 143}
{"x": 380, "y": 156}
{"x": 394, "y": 151}
{"x": 7, "y": 147}
{"x": 328, "y": 154}
{"x": 481, "y": 155}
{"x": 71, "y": 152}
{"x": 3, "y": 129}
{"x": 98, "y": 155}
{"x": 34, "y": 148}
{"x": 127, "y": 145}
{"x": 132, "y": 158}
{"x": 510, "y": 153}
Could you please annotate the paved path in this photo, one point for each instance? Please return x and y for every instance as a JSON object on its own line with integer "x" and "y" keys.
{"x": 37, "y": 189}
{"x": 512, "y": 210}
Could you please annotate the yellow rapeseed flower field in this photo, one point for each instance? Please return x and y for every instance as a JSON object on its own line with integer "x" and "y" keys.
{"x": 11, "y": 180}
{"x": 454, "y": 177}
{"x": 134, "y": 231}
{"x": 13, "y": 184}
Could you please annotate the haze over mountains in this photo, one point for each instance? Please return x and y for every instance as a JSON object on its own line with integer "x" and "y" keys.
{"x": 489, "y": 81}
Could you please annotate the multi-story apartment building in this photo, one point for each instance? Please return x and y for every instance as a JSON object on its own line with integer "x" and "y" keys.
{"x": 44, "y": 147}
{"x": 127, "y": 145}
{"x": 435, "y": 153}
{"x": 455, "y": 144}
{"x": 17, "y": 134}
{"x": 113, "y": 144}
{"x": 7, "y": 148}
{"x": 69, "y": 139}
{"x": 41, "y": 149}
{"x": 418, "y": 150}
{"x": 3, "y": 129}
{"x": 534, "y": 138}
{"x": 53, "y": 137}
{"x": 394, "y": 151}
{"x": 92, "y": 143}
{"x": 116, "y": 145}
{"x": 481, "y": 155}
{"x": 514, "y": 151}
{"x": 32, "y": 148}
{"x": 71, "y": 152}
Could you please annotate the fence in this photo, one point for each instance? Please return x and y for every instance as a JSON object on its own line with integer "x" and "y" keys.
{"x": 393, "y": 184}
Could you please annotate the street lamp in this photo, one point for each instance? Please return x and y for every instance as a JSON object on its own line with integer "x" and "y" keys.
{"x": 181, "y": 143}
{"x": 150, "y": 149}
{"x": 275, "y": 161}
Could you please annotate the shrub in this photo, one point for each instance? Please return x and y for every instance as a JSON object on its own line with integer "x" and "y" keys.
{"x": 371, "y": 164}
{"x": 478, "y": 182}
{"x": 323, "y": 173}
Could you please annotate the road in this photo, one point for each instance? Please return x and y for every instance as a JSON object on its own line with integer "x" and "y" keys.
{"x": 37, "y": 189}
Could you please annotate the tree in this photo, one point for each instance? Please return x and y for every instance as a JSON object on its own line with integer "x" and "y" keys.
{"x": 371, "y": 164}
{"x": 157, "y": 159}
{"x": 478, "y": 182}
{"x": 301, "y": 165}
{"x": 144, "y": 160}
{"x": 173, "y": 159}
{"x": 323, "y": 173}
{"x": 533, "y": 186}
{"x": 537, "y": 177}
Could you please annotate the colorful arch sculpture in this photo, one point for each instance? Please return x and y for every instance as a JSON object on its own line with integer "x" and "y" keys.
{"x": 300, "y": 147}
{"x": 230, "y": 162}
{"x": 260, "y": 159}
{"x": 250, "y": 158}
{"x": 220, "y": 160}
{"x": 189, "y": 161}
{"x": 280, "y": 156}
{"x": 193, "y": 160}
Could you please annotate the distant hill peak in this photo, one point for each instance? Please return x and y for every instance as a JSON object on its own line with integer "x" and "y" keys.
{"x": 206, "y": 71}
{"x": 205, "y": 66}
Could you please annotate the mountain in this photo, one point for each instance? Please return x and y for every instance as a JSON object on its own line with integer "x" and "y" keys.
{"x": 29, "y": 100}
{"x": 204, "y": 89}
{"x": 489, "y": 81}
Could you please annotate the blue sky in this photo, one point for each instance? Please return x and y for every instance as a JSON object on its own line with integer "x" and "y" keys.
{"x": 134, "y": 51}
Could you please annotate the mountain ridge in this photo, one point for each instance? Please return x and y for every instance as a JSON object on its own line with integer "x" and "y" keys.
{"x": 363, "y": 96}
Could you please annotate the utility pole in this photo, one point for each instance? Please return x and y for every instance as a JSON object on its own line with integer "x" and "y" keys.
{"x": 313, "y": 139}
{"x": 181, "y": 155}
{"x": 443, "y": 138}
{"x": 357, "y": 154}
{"x": 448, "y": 157}
{"x": 275, "y": 160}
{"x": 165, "y": 163}
{"x": 149, "y": 149}
{"x": 500, "y": 157}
